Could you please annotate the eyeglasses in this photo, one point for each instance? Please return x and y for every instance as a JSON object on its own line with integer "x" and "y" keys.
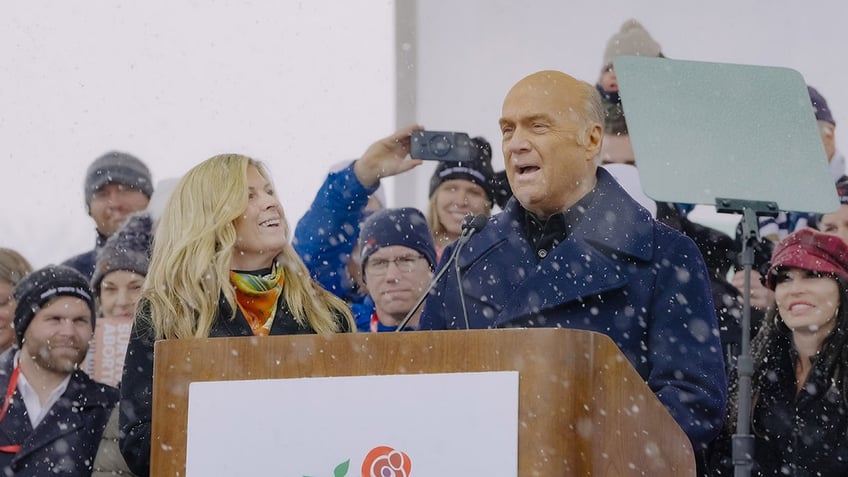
{"x": 379, "y": 266}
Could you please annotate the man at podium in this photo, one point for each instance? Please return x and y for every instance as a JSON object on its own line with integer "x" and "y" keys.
{"x": 571, "y": 249}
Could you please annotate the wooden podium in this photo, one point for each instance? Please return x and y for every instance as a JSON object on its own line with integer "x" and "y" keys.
{"x": 583, "y": 409}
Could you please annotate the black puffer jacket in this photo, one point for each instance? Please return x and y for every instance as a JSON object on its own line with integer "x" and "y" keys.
{"x": 136, "y": 406}
{"x": 794, "y": 435}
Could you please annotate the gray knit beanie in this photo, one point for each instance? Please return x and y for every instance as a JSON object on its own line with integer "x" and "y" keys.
{"x": 118, "y": 167}
{"x": 127, "y": 249}
{"x": 631, "y": 40}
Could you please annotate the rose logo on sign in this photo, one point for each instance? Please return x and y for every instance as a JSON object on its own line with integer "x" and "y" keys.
{"x": 383, "y": 461}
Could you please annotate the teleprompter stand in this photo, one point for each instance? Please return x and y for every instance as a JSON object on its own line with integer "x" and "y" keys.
{"x": 740, "y": 137}
{"x": 743, "y": 440}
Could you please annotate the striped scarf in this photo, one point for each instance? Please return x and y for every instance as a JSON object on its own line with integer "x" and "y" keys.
{"x": 257, "y": 297}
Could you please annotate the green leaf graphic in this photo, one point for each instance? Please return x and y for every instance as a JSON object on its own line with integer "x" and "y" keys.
{"x": 341, "y": 469}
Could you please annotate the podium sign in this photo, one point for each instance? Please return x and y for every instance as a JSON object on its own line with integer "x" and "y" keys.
{"x": 582, "y": 408}
{"x": 427, "y": 424}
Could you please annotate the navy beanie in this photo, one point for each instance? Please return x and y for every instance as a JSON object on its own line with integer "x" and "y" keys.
{"x": 404, "y": 226}
{"x": 478, "y": 170}
{"x": 127, "y": 249}
{"x": 41, "y": 286}
{"x": 820, "y": 106}
{"x": 118, "y": 167}
{"x": 842, "y": 190}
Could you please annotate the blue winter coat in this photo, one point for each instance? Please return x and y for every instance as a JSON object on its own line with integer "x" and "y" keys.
{"x": 619, "y": 272}
{"x": 65, "y": 442}
{"x": 324, "y": 237}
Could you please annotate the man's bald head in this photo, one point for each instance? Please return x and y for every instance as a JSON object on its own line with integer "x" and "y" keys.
{"x": 571, "y": 95}
{"x": 552, "y": 127}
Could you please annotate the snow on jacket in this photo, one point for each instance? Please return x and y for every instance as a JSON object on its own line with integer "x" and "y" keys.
{"x": 65, "y": 442}
{"x": 618, "y": 272}
{"x": 325, "y": 236}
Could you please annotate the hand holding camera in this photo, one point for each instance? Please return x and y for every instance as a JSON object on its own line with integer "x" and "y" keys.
{"x": 441, "y": 146}
{"x": 386, "y": 157}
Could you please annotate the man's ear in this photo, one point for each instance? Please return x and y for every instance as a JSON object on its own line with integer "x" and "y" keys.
{"x": 593, "y": 140}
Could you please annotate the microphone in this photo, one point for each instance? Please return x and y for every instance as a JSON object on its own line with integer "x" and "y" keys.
{"x": 475, "y": 224}
{"x": 470, "y": 225}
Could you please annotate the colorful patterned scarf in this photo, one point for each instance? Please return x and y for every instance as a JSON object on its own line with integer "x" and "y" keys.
{"x": 257, "y": 297}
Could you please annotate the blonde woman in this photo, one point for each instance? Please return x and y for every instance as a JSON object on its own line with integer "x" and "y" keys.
{"x": 458, "y": 189}
{"x": 222, "y": 265}
{"x": 13, "y": 267}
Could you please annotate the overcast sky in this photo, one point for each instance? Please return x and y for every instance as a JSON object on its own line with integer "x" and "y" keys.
{"x": 302, "y": 85}
{"x": 174, "y": 83}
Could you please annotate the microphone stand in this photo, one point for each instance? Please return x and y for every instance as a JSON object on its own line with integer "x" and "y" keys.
{"x": 467, "y": 231}
{"x": 461, "y": 292}
{"x": 743, "y": 440}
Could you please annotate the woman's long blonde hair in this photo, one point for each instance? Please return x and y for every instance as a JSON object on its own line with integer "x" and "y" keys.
{"x": 13, "y": 266}
{"x": 193, "y": 248}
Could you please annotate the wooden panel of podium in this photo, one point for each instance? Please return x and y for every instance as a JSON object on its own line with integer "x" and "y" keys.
{"x": 583, "y": 409}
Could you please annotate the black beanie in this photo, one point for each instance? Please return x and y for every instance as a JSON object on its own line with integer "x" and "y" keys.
{"x": 127, "y": 249}
{"x": 41, "y": 286}
{"x": 405, "y": 226}
{"x": 478, "y": 170}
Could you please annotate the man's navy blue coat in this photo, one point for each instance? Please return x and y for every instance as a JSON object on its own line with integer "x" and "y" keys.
{"x": 618, "y": 272}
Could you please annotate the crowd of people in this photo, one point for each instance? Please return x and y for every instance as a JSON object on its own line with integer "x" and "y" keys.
{"x": 564, "y": 244}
